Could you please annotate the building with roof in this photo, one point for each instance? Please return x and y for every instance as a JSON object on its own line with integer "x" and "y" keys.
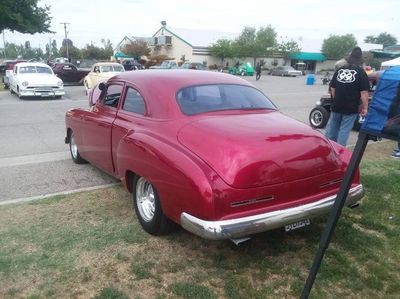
{"x": 193, "y": 45}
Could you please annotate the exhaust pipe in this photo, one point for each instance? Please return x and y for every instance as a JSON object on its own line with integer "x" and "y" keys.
{"x": 240, "y": 240}
{"x": 354, "y": 205}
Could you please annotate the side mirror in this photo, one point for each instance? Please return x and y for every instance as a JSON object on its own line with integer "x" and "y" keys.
{"x": 102, "y": 86}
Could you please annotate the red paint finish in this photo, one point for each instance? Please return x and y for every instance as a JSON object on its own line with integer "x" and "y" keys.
{"x": 215, "y": 165}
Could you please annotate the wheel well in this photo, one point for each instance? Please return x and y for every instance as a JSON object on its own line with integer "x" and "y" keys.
{"x": 68, "y": 138}
{"x": 129, "y": 177}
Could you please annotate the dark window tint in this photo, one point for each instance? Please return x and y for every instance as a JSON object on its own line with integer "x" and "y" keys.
{"x": 112, "y": 95}
{"x": 134, "y": 102}
{"x": 206, "y": 98}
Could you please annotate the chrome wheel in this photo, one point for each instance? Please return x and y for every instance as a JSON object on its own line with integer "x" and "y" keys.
{"x": 318, "y": 117}
{"x": 74, "y": 147}
{"x": 145, "y": 199}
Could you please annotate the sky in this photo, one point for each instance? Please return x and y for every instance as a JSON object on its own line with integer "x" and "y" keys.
{"x": 91, "y": 20}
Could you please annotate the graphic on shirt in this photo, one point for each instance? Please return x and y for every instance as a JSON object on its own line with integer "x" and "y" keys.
{"x": 346, "y": 76}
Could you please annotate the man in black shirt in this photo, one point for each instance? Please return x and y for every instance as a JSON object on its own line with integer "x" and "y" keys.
{"x": 349, "y": 85}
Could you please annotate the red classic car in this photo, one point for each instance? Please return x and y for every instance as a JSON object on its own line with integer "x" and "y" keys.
{"x": 69, "y": 73}
{"x": 208, "y": 151}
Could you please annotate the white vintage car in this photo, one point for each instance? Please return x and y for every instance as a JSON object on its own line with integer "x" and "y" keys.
{"x": 100, "y": 72}
{"x": 35, "y": 79}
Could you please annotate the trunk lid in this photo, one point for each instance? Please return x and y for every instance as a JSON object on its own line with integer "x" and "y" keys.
{"x": 254, "y": 150}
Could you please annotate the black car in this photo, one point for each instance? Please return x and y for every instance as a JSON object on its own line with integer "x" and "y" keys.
{"x": 132, "y": 65}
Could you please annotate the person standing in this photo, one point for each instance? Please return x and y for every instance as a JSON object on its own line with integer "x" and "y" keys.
{"x": 258, "y": 71}
{"x": 349, "y": 84}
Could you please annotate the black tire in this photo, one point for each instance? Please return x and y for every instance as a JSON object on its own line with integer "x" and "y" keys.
{"x": 147, "y": 205}
{"x": 318, "y": 117}
{"x": 73, "y": 149}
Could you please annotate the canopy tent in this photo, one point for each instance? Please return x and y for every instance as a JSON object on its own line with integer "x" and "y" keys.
{"x": 383, "y": 118}
{"x": 120, "y": 54}
{"x": 390, "y": 63}
{"x": 308, "y": 56}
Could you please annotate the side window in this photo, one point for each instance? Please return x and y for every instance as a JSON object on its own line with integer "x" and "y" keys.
{"x": 134, "y": 102}
{"x": 96, "y": 69}
{"x": 112, "y": 95}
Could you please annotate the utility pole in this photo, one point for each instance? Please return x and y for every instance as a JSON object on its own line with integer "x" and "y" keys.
{"x": 66, "y": 36}
{"x": 4, "y": 43}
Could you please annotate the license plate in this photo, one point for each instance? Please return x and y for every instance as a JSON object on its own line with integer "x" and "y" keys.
{"x": 297, "y": 225}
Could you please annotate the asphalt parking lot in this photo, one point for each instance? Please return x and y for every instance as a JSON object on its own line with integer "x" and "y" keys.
{"x": 34, "y": 161}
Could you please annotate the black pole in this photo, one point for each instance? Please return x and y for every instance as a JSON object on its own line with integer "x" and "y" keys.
{"x": 336, "y": 211}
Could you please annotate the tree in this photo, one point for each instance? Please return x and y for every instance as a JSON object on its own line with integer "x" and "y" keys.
{"x": 222, "y": 48}
{"x": 93, "y": 52}
{"x": 72, "y": 50}
{"x": 107, "y": 48}
{"x": 253, "y": 43}
{"x": 24, "y": 16}
{"x": 383, "y": 38}
{"x": 288, "y": 48}
{"x": 137, "y": 49}
{"x": 338, "y": 46}
{"x": 54, "y": 49}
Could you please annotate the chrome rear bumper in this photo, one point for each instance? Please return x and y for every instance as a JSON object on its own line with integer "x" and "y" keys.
{"x": 241, "y": 227}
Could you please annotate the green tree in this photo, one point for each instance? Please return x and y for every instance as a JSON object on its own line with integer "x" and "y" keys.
{"x": 222, "y": 48}
{"x": 137, "y": 49}
{"x": 73, "y": 52}
{"x": 24, "y": 16}
{"x": 383, "y": 38}
{"x": 93, "y": 52}
{"x": 288, "y": 48}
{"x": 10, "y": 51}
{"x": 338, "y": 46}
{"x": 54, "y": 49}
{"x": 255, "y": 44}
{"x": 107, "y": 48}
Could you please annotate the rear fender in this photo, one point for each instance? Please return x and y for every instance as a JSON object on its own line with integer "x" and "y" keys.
{"x": 181, "y": 178}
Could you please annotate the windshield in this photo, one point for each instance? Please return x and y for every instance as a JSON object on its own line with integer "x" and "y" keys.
{"x": 35, "y": 69}
{"x": 218, "y": 97}
{"x": 111, "y": 68}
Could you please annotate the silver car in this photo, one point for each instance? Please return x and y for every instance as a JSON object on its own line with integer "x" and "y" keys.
{"x": 285, "y": 70}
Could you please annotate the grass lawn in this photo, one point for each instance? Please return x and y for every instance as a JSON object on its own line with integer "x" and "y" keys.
{"x": 89, "y": 245}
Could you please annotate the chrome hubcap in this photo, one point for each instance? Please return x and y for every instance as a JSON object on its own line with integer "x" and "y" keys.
{"x": 316, "y": 118}
{"x": 145, "y": 199}
{"x": 74, "y": 148}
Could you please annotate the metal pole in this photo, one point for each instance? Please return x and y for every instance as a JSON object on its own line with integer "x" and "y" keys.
{"x": 66, "y": 36}
{"x": 4, "y": 44}
{"x": 336, "y": 210}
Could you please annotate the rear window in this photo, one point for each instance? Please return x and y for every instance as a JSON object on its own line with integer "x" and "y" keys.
{"x": 219, "y": 97}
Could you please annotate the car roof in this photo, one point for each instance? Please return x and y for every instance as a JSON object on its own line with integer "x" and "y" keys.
{"x": 161, "y": 86}
{"x": 106, "y": 63}
{"x": 22, "y": 64}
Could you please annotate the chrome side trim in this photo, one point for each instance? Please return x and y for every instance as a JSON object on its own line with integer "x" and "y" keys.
{"x": 241, "y": 227}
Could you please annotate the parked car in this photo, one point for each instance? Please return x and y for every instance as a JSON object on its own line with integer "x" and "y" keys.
{"x": 69, "y": 73}
{"x": 132, "y": 65}
{"x": 101, "y": 71}
{"x": 35, "y": 79}
{"x": 319, "y": 115}
{"x": 193, "y": 66}
{"x": 7, "y": 68}
{"x": 166, "y": 64}
{"x": 285, "y": 70}
{"x": 243, "y": 69}
{"x": 208, "y": 151}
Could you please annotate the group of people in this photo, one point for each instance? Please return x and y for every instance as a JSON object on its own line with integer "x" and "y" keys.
{"x": 349, "y": 84}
